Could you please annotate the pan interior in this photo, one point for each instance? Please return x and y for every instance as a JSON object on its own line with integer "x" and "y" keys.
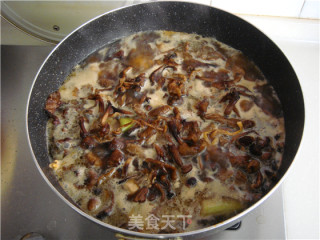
{"x": 173, "y": 16}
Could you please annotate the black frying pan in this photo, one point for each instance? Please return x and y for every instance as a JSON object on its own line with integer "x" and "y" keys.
{"x": 174, "y": 16}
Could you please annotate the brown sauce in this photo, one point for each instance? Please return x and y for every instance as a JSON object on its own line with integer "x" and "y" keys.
{"x": 165, "y": 132}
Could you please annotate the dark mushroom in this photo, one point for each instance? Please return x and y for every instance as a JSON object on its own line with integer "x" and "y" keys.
{"x": 98, "y": 100}
{"x": 248, "y": 124}
{"x": 224, "y": 174}
{"x": 92, "y": 179}
{"x": 116, "y": 143}
{"x": 153, "y": 193}
{"x": 266, "y": 156}
{"x": 108, "y": 76}
{"x": 53, "y": 102}
{"x": 246, "y": 105}
{"x": 88, "y": 142}
{"x": 253, "y": 166}
{"x": 232, "y": 98}
{"x": 219, "y": 80}
{"x": 175, "y": 154}
{"x": 189, "y": 64}
{"x": 93, "y": 204}
{"x": 174, "y": 100}
{"x": 230, "y": 122}
{"x": 159, "y": 111}
{"x": 147, "y": 133}
{"x": 240, "y": 177}
{"x": 202, "y": 107}
{"x": 186, "y": 168}
{"x": 93, "y": 159}
{"x": 191, "y": 182}
{"x": 107, "y": 211}
{"x": 169, "y": 168}
{"x": 245, "y": 141}
{"x": 268, "y": 102}
{"x": 126, "y": 166}
{"x": 161, "y": 190}
{"x": 156, "y": 76}
{"x": 160, "y": 151}
{"x": 255, "y": 149}
{"x": 139, "y": 196}
{"x": 175, "y": 127}
{"x": 192, "y": 130}
{"x": 240, "y": 64}
{"x": 239, "y": 161}
{"x": 186, "y": 150}
{"x": 162, "y": 178}
{"x": 169, "y": 59}
{"x": 258, "y": 181}
{"x": 114, "y": 159}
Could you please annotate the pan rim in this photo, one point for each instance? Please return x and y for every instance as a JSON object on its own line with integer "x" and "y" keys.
{"x": 220, "y": 226}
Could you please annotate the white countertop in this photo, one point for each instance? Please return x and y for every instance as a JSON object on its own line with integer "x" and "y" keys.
{"x": 301, "y": 187}
{"x": 299, "y": 40}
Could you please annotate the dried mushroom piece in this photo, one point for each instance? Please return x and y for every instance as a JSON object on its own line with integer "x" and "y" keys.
{"x": 165, "y": 123}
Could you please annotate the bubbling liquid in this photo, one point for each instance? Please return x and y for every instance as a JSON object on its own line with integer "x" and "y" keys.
{"x": 165, "y": 132}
